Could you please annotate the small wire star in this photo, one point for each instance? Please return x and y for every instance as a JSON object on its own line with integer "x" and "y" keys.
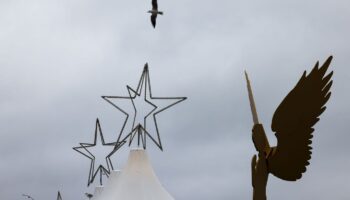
{"x": 102, "y": 168}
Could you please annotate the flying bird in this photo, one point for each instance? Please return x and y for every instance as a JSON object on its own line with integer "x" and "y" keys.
{"x": 293, "y": 123}
{"x": 154, "y": 13}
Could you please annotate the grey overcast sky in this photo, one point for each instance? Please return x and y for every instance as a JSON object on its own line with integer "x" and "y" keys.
{"x": 58, "y": 57}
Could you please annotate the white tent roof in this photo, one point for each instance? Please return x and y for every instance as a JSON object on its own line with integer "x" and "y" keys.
{"x": 137, "y": 181}
{"x": 108, "y": 190}
{"x": 98, "y": 191}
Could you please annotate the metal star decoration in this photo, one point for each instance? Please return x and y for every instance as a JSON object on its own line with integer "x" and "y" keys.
{"x": 138, "y": 123}
{"x": 102, "y": 168}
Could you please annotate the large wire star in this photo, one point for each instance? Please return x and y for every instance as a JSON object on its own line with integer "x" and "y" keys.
{"x": 136, "y": 127}
{"x": 102, "y": 168}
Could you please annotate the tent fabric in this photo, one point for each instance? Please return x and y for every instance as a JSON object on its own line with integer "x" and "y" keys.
{"x": 137, "y": 181}
{"x": 98, "y": 191}
{"x": 110, "y": 185}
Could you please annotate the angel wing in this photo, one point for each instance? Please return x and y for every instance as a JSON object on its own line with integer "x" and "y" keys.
{"x": 293, "y": 121}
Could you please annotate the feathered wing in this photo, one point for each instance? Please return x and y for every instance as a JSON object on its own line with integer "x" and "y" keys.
{"x": 293, "y": 121}
{"x": 154, "y": 4}
{"x": 154, "y": 20}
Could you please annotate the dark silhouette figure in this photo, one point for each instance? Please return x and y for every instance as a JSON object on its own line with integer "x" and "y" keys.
{"x": 154, "y": 13}
{"x": 292, "y": 123}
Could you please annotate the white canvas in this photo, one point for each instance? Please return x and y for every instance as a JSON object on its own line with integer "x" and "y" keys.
{"x": 137, "y": 181}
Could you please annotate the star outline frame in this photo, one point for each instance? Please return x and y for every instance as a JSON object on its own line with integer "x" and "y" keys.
{"x": 100, "y": 169}
{"x": 145, "y": 78}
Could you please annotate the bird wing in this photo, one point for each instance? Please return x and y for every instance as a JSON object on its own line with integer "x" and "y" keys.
{"x": 293, "y": 121}
{"x": 154, "y": 19}
{"x": 154, "y": 4}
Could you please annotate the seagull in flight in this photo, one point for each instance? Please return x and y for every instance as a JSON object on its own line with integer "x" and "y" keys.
{"x": 154, "y": 12}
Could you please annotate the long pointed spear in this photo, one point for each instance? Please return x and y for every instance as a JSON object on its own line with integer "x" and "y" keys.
{"x": 251, "y": 100}
{"x": 255, "y": 116}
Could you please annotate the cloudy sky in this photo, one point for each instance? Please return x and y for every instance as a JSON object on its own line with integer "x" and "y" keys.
{"x": 58, "y": 57}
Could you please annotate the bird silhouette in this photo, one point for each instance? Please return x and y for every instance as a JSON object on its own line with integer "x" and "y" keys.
{"x": 154, "y": 13}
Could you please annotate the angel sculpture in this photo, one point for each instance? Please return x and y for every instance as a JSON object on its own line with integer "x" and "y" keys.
{"x": 292, "y": 123}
